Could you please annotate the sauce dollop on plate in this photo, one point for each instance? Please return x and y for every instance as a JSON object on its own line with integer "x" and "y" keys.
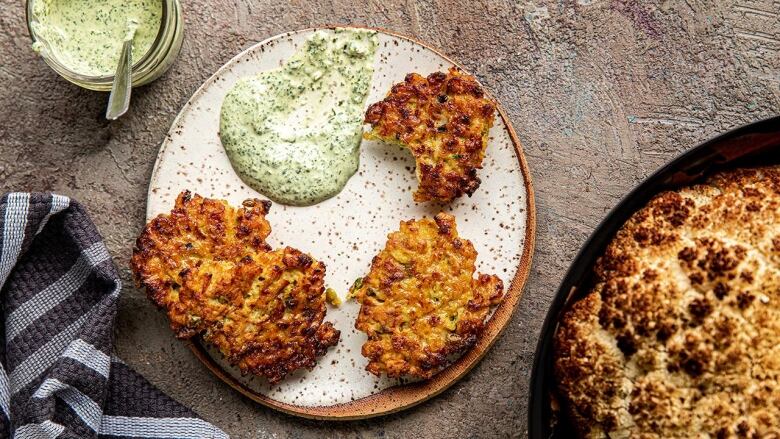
{"x": 293, "y": 133}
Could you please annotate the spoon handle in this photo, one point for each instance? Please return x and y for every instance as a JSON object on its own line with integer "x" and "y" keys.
{"x": 119, "y": 99}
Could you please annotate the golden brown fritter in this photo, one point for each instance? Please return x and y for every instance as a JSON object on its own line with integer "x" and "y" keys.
{"x": 444, "y": 120}
{"x": 208, "y": 265}
{"x": 680, "y": 336}
{"x": 420, "y": 302}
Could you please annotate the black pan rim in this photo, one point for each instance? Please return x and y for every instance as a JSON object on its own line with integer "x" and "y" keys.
{"x": 699, "y": 156}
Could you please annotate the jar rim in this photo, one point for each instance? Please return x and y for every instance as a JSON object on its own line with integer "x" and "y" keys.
{"x": 63, "y": 70}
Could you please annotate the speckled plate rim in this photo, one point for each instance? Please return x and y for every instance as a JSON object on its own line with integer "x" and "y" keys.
{"x": 397, "y": 398}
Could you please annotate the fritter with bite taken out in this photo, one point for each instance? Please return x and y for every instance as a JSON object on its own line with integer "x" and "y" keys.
{"x": 444, "y": 120}
{"x": 209, "y": 267}
{"x": 420, "y": 302}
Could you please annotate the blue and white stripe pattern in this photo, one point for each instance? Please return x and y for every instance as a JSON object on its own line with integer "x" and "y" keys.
{"x": 58, "y": 377}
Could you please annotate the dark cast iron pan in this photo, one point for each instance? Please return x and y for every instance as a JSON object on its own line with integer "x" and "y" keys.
{"x": 756, "y": 144}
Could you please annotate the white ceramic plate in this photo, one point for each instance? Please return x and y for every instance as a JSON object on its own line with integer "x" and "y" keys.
{"x": 346, "y": 231}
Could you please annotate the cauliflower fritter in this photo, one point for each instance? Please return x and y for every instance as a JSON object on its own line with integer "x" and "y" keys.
{"x": 208, "y": 266}
{"x": 444, "y": 120}
{"x": 420, "y": 302}
{"x": 680, "y": 335}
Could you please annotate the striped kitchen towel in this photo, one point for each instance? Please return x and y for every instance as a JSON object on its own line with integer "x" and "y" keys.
{"x": 58, "y": 377}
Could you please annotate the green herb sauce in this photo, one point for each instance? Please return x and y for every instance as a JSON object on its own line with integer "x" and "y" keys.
{"x": 86, "y": 36}
{"x": 293, "y": 133}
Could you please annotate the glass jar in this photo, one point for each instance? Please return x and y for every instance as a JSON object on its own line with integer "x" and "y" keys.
{"x": 152, "y": 64}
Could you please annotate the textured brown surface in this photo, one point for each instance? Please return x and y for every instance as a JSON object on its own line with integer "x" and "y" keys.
{"x": 600, "y": 92}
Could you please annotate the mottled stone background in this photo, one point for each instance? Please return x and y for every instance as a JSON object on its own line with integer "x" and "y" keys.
{"x": 600, "y": 92}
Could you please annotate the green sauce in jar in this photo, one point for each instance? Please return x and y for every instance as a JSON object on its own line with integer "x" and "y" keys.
{"x": 86, "y": 36}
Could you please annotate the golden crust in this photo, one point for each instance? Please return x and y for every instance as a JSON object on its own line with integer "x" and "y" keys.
{"x": 208, "y": 266}
{"x": 420, "y": 302}
{"x": 444, "y": 120}
{"x": 680, "y": 336}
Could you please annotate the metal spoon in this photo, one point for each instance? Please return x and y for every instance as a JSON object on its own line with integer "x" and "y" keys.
{"x": 119, "y": 99}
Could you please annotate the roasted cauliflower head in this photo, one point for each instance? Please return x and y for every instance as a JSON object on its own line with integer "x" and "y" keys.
{"x": 420, "y": 302}
{"x": 444, "y": 120}
{"x": 680, "y": 334}
{"x": 208, "y": 266}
